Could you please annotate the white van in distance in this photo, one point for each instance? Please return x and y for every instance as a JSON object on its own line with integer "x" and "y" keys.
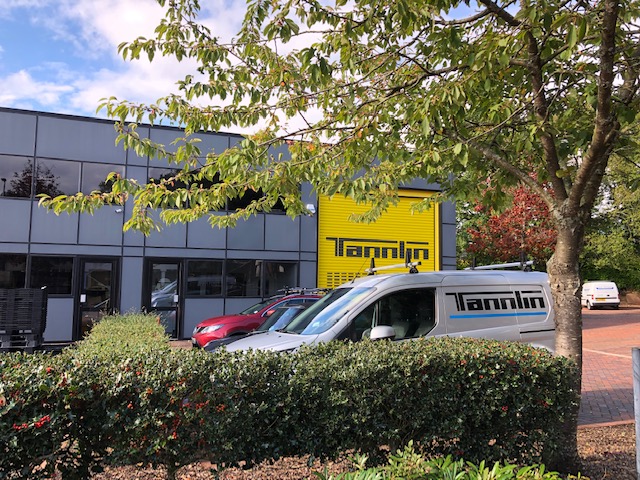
{"x": 599, "y": 294}
{"x": 502, "y": 305}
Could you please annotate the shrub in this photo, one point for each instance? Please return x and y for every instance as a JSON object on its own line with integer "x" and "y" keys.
{"x": 122, "y": 396}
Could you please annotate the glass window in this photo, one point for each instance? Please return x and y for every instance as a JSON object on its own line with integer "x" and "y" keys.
{"x": 55, "y": 273}
{"x": 57, "y": 177}
{"x": 278, "y": 275}
{"x": 15, "y": 174}
{"x": 257, "y": 307}
{"x": 156, "y": 175}
{"x": 94, "y": 177}
{"x": 13, "y": 270}
{"x": 97, "y": 283}
{"x": 244, "y": 201}
{"x": 243, "y": 278}
{"x": 326, "y": 312}
{"x": 164, "y": 284}
{"x": 411, "y": 313}
{"x": 204, "y": 278}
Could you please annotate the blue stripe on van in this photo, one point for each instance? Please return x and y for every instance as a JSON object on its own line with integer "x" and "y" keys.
{"x": 490, "y": 315}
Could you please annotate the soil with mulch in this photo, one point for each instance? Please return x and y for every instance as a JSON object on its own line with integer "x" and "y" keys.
{"x": 606, "y": 453}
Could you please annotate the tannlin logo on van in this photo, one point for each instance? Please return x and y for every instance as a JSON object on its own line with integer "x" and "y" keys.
{"x": 376, "y": 248}
{"x": 499, "y": 304}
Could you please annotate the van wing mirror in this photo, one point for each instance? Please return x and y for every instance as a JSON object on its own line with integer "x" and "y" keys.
{"x": 382, "y": 332}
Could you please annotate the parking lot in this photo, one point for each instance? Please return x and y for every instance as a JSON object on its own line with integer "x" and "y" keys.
{"x": 607, "y": 372}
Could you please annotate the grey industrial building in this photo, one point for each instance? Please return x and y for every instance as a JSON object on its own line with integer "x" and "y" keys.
{"x": 186, "y": 272}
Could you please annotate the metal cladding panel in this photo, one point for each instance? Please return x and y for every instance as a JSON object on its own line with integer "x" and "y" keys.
{"x": 78, "y": 139}
{"x": 345, "y": 248}
{"x": 282, "y": 233}
{"x": 17, "y": 133}
{"x": 15, "y": 218}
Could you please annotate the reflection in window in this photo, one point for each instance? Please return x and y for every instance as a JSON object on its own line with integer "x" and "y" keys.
{"x": 55, "y": 273}
{"x": 249, "y": 196}
{"x": 204, "y": 278}
{"x": 13, "y": 270}
{"x": 244, "y": 201}
{"x": 97, "y": 284}
{"x": 94, "y": 177}
{"x": 278, "y": 275}
{"x": 157, "y": 175}
{"x": 164, "y": 284}
{"x": 243, "y": 278}
{"x": 16, "y": 174}
{"x": 57, "y": 177}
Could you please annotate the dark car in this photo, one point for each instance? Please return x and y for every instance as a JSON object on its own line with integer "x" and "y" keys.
{"x": 248, "y": 320}
{"x": 280, "y": 318}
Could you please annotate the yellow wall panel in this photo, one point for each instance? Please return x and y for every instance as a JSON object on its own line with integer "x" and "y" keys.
{"x": 345, "y": 248}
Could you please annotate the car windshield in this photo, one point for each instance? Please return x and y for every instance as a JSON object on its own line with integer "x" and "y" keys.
{"x": 280, "y": 318}
{"x": 257, "y": 307}
{"x": 326, "y": 312}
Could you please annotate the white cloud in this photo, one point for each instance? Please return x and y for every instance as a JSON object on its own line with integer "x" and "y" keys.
{"x": 121, "y": 20}
{"x": 90, "y": 31}
{"x": 21, "y": 87}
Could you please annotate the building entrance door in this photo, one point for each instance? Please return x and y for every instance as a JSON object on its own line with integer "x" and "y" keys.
{"x": 97, "y": 292}
{"x": 163, "y": 292}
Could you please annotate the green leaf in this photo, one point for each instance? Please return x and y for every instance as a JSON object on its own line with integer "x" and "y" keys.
{"x": 572, "y": 36}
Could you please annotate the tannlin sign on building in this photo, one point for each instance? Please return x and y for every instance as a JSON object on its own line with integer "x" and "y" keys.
{"x": 345, "y": 248}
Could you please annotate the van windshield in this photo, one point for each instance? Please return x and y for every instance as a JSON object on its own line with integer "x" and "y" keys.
{"x": 327, "y": 311}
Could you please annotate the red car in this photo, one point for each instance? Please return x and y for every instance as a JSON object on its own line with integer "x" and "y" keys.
{"x": 247, "y": 320}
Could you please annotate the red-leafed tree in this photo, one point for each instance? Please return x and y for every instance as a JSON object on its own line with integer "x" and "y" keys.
{"x": 523, "y": 230}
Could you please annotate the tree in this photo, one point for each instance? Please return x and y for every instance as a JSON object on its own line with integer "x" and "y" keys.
{"x": 22, "y": 182}
{"x": 371, "y": 94}
{"x": 523, "y": 230}
{"x": 612, "y": 243}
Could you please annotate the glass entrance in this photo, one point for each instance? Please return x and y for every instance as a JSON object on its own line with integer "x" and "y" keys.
{"x": 163, "y": 279}
{"x": 97, "y": 292}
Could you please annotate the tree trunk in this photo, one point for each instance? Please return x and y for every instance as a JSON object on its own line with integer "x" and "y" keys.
{"x": 564, "y": 277}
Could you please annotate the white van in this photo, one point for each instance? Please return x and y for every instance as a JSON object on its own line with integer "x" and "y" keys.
{"x": 502, "y": 305}
{"x": 599, "y": 294}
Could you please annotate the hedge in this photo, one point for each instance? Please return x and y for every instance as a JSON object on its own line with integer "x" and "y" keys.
{"x": 123, "y": 396}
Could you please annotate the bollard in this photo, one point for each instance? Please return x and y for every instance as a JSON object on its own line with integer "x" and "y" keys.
{"x": 635, "y": 355}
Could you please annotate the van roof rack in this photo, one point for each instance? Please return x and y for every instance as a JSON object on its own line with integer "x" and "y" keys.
{"x": 526, "y": 266}
{"x": 407, "y": 264}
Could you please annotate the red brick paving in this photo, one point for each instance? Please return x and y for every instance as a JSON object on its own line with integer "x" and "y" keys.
{"x": 607, "y": 372}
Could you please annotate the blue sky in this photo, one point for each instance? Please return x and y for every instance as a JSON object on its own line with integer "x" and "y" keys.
{"x": 61, "y": 55}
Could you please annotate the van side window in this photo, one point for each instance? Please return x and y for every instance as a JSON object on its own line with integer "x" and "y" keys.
{"x": 411, "y": 313}
{"x": 363, "y": 322}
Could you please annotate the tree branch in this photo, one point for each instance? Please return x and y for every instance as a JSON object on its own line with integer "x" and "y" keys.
{"x": 606, "y": 127}
{"x": 501, "y": 13}
{"x": 504, "y": 164}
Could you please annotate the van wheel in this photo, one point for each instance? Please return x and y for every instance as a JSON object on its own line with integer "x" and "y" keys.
{"x": 589, "y": 306}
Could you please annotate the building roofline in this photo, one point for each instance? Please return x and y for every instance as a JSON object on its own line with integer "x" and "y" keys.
{"x": 87, "y": 118}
